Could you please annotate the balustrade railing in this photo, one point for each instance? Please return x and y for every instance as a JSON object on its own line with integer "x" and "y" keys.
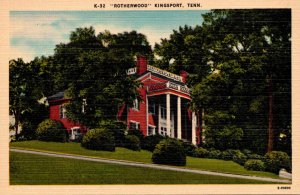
{"x": 168, "y": 85}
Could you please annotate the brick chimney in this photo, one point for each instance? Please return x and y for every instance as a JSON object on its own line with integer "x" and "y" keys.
{"x": 141, "y": 64}
{"x": 184, "y": 75}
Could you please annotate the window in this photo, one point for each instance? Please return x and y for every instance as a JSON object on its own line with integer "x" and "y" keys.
{"x": 136, "y": 104}
{"x": 163, "y": 113}
{"x": 62, "y": 111}
{"x": 151, "y": 130}
{"x": 151, "y": 107}
{"x": 163, "y": 131}
{"x": 134, "y": 125}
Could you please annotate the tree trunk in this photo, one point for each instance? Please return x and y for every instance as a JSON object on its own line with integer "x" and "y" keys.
{"x": 270, "y": 115}
{"x": 17, "y": 119}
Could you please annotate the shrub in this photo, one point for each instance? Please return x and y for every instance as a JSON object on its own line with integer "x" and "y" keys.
{"x": 254, "y": 165}
{"x": 226, "y": 155}
{"x": 189, "y": 148}
{"x": 99, "y": 139}
{"x": 247, "y": 152}
{"x": 239, "y": 157}
{"x": 276, "y": 160}
{"x": 137, "y": 133}
{"x": 132, "y": 142}
{"x": 151, "y": 141}
{"x": 255, "y": 156}
{"x": 201, "y": 153}
{"x": 117, "y": 128}
{"x": 229, "y": 154}
{"x": 216, "y": 154}
{"x": 170, "y": 152}
{"x": 50, "y": 130}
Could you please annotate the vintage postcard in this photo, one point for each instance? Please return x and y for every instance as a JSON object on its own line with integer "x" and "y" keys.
{"x": 137, "y": 97}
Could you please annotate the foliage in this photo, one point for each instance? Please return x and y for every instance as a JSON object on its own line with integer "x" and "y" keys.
{"x": 184, "y": 50}
{"x": 99, "y": 139}
{"x": 276, "y": 160}
{"x": 189, "y": 148}
{"x": 222, "y": 138}
{"x": 138, "y": 133}
{"x": 254, "y": 165}
{"x": 169, "y": 152}
{"x": 201, "y": 153}
{"x": 132, "y": 142}
{"x": 216, "y": 154}
{"x": 102, "y": 61}
{"x": 24, "y": 89}
{"x": 117, "y": 128}
{"x": 239, "y": 158}
{"x": 255, "y": 156}
{"x": 50, "y": 130}
{"x": 31, "y": 119}
{"x": 250, "y": 60}
{"x": 151, "y": 141}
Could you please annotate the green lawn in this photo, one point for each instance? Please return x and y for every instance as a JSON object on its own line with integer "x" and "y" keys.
{"x": 30, "y": 169}
{"x": 142, "y": 156}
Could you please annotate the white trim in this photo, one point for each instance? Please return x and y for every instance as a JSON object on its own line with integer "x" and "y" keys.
{"x": 131, "y": 121}
{"x": 171, "y": 93}
{"x": 143, "y": 76}
{"x": 194, "y": 120}
{"x": 168, "y": 108}
{"x": 179, "y": 127}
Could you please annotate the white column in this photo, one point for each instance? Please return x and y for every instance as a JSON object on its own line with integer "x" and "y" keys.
{"x": 159, "y": 117}
{"x": 168, "y": 114}
{"x": 194, "y": 122}
{"x": 179, "y": 117}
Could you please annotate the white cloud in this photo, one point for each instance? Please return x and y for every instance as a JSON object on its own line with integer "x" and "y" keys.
{"x": 24, "y": 52}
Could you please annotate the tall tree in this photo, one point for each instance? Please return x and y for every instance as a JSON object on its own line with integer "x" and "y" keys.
{"x": 250, "y": 55}
{"x": 92, "y": 71}
{"x": 23, "y": 89}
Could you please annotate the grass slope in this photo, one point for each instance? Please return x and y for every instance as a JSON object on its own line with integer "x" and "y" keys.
{"x": 142, "y": 156}
{"x": 30, "y": 169}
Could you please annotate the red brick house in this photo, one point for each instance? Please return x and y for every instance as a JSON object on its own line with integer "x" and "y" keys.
{"x": 164, "y": 108}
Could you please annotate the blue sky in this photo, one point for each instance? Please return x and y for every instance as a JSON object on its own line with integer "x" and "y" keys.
{"x": 35, "y": 33}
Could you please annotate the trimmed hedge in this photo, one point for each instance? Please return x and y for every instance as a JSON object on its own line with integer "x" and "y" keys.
{"x": 50, "y": 130}
{"x": 132, "y": 142}
{"x": 170, "y": 152}
{"x": 137, "y": 133}
{"x": 201, "y": 153}
{"x": 189, "y": 148}
{"x": 216, "y": 154}
{"x": 99, "y": 139}
{"x": 151, "y": 141}
{"x": 276, "y": 160}
{"x": 239, "y": 158}
{"x": 255, "y": 165}
{"x": 117, "y": 128}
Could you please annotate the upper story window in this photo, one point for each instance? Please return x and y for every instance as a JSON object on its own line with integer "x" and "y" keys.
{"x": 62, "y": 112}
{"x": 136, "y": 104}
